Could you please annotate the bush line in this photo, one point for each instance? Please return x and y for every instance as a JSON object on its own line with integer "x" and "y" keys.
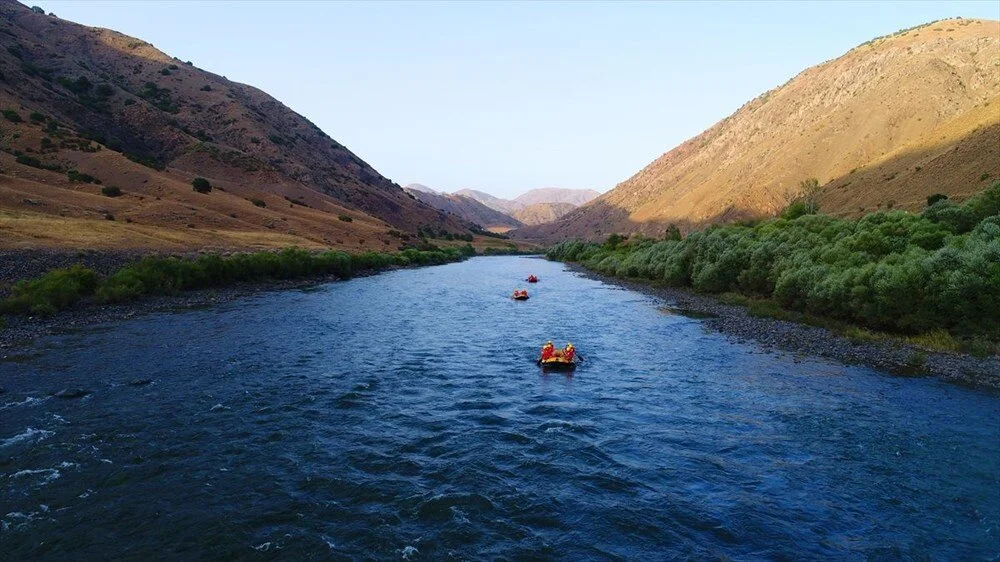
{"x": 61, "y": 288}
{"x": 892, "y": 270}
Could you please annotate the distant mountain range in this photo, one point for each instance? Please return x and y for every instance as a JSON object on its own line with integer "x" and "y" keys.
{"x": 884, "y": 126}
{"x": 465, "y": 208}
{"x": 534, "y": 207}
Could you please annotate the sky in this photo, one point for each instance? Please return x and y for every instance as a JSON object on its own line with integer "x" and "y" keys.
{"x": 509, "y": 96}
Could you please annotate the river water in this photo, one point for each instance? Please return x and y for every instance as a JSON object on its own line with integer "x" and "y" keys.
{"x": 401, "y": 416}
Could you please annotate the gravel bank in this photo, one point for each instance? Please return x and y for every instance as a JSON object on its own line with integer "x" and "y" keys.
{"x": 892, "y": 357}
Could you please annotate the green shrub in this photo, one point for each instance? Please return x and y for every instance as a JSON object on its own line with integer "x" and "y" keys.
{"x": 932, "y": 199}
{"x": 12, "y": 116}
{"x": 51, "y": 292}
{"x": 672, "y": 233}
{"x": 345, "y": 218}
{"x": 37, "y": 117}
{"x": 258, "y": 203}
{"x": 61, "y": 288}
{"x": 28, "y": 161}
{"x": 147, "y": 161}
{"x": 894, "y": 271}
{"x": 76, "y": 176}
{"x": 201, "y": 185}
{"x": 111, "y": 191}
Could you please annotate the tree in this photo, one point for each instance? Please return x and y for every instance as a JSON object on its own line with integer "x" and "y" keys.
{"x": 672, "y": 233}
{"x": 935, "y": 198}
{"x": 806, "y": 202}
{"x": 201, "y": 185}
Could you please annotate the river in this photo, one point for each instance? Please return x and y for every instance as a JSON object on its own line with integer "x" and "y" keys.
{"x": 401, "y": 416}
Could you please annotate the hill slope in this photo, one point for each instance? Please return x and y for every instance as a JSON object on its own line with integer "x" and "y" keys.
{"x": 466, "y": 209}
{"x": 541, "y": 213}
{"x": 117, "y": 109}
{"x": 496, "y": 203}
{"x": 887, "y": 124}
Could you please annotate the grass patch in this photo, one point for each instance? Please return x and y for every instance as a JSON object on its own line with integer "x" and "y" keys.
{"x": 939, "y": 340}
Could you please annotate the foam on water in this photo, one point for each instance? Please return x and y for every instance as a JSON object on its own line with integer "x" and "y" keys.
{"x": 46, "y": 475}
{"x": 30, "y": 434}
{"x": 28, "y": 401}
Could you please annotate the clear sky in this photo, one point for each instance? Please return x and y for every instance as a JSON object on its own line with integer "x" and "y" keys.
{"x": 510, "y": 96}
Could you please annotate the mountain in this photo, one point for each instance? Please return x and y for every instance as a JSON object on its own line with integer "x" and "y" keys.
{"x": 419, "y": 187}
{"x": 541, "y": 213}
{"x": 885, "y": 125}
{"x": 575, "y": 197}
{"x": 466, "y": 209}
{"x": 503, "y": 205}
{"x": 83, "y": 106}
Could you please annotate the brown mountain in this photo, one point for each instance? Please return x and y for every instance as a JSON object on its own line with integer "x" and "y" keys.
{"x": 541, "y": 213}
{"x": 496, "y": 203}
{"x": 465, "y": 208}
{"x": 85, "y": 105}
{"x": 544, "y": 195}
{"x": 890, "y": 122}
{"x": 575, "y": 197}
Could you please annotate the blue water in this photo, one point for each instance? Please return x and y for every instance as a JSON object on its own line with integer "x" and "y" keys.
{"x": 401, "y": 416}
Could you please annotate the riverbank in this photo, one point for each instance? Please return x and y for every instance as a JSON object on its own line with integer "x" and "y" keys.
{"x": 20, "y": 330}
{"x": 890, "y": 355}
{"x": 64, "y": 290}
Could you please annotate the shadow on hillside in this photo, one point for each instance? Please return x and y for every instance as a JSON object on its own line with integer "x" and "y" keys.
{"x": 957, "y": 168}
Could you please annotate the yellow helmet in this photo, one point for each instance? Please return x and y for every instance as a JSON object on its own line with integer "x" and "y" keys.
{"x": 548, "y": 342}
{"x": 569, "y": 345}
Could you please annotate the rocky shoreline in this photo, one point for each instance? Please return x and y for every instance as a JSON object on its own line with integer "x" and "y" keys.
{"x": 894, "y": 357}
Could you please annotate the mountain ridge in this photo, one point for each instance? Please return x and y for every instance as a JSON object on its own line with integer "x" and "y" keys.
{"x": 872, "y": 109}
{"x": 114, "y": 108}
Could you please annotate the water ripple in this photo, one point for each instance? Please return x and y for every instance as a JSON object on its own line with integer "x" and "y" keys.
{"x": 401, "y": 417}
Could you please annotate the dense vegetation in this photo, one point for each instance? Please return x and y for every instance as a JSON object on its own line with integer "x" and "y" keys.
{"x": 891, "y": 271}
{"x": 60, "y": 288}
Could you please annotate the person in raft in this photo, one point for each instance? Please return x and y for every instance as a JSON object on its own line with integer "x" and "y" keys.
{"x": 548, "y": 350}
{"x": 569, "y": 353}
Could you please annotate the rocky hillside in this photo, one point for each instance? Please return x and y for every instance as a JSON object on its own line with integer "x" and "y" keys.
{"x": 465, "y": 208}
{"x": 85, "y": 109}
{"x": 887, "y": 124}
{"x": 541, "y": 213}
